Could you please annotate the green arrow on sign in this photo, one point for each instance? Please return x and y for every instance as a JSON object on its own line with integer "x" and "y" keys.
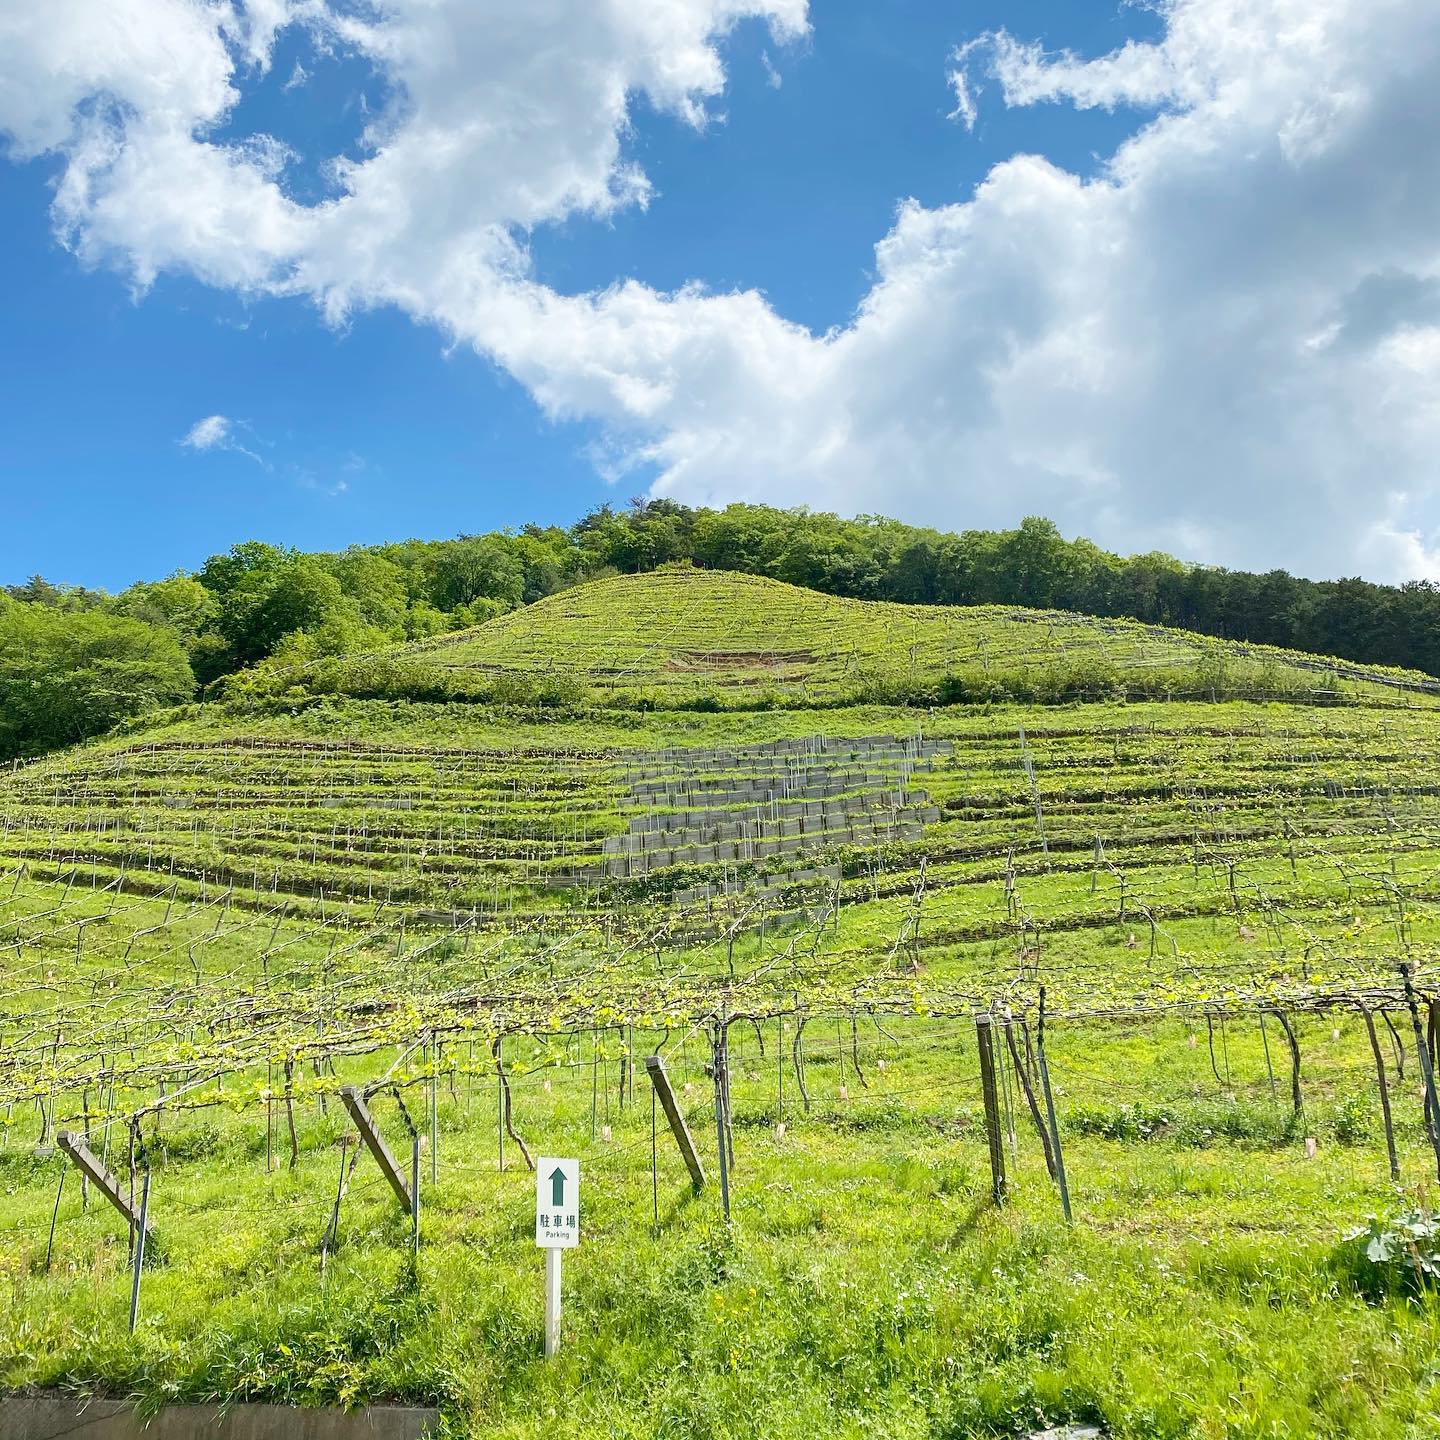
{"x": 557, "y": 1186}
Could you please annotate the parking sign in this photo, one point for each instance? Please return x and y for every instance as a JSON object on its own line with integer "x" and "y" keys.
{"x": 557, "y": 1203}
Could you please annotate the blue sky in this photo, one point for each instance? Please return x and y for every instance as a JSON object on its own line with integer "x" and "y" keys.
{"x": 998, "y": 359}
{"x": 787, "y": 194}
{"x": 101, "y": 385}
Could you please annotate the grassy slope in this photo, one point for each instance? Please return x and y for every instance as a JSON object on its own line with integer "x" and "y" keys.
{"x": 865, "y": 1287}
{"x": 687, "y": 629}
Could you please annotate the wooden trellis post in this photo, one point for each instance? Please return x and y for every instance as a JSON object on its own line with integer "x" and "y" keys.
{"x": 655, "y": 1068}
{"x": 988, "y": 1092}
{"x": 1427, "y": 1070}
{"x": 90, "y": 1166}
{"x": 353, "y": 1099}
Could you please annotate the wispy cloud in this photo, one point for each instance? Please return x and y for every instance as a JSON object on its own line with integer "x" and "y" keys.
{"x": 307, "y": 479}
{"x": 218, "y": 432}
{"x": 961, "y": 83}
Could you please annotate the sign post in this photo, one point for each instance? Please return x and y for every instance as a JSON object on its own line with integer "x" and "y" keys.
{"x": 557, "y": 1228}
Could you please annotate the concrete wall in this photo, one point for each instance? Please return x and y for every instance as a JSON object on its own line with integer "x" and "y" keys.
{"x": 47, "y": 1418}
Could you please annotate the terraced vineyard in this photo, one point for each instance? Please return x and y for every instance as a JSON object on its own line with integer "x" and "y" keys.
{"x": 1204, "y": 932}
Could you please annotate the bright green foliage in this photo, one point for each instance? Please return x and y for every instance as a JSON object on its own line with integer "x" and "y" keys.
{"x": 375, "y": 584}
{"x": 468, "y": 570}
{"x": 266, "y": 594}
{"x": 180, "y": 603}
{"x": 416, "y": 589}
{"x": 1401, "y": 1252}
{"x": 67, "y": 675}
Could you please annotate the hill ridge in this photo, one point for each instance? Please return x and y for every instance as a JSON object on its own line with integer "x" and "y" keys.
{"x": 682, "y": 627}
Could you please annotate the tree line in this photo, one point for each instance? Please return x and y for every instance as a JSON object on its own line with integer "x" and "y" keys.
{"x": 76, "y": 661}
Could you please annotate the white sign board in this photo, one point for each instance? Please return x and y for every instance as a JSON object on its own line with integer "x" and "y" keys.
{"x": 557, "y": 1203}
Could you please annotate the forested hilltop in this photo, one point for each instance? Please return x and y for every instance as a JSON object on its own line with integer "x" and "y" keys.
{"x": 75, "y": 661}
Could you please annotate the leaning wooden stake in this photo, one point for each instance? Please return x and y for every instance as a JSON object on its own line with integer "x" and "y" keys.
{"x": 992, "y": 1108}
{"x": 1384, "y": 1091}
{"x": 353, "y": 1099}
{"x": 655, "y": 1068}
{"x": 1044, "y": 1067}
{"x": 90, "y": 1166}
{"x": 1023, "y": 1075}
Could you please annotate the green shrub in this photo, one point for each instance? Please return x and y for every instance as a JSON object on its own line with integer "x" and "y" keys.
{"x": 1400, "y": 1254}
{"x": 1194, "y": 1124}
{"x": 1351, "y": 1119}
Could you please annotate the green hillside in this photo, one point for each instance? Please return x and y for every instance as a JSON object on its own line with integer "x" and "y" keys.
{"x": 1185, "y": 914}
{"x": 683, "y": 629}
{"x": 263, "y": 620}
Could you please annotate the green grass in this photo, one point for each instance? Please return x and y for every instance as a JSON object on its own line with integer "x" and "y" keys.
{"x": 281, "y": 877}
{"x": 865, "y": 1286}
{"x": 680, "y": 637}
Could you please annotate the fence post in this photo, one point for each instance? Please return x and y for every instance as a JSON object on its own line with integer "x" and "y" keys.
{"x": 992, "y": 1108}
{"x": 655, "y": 1069}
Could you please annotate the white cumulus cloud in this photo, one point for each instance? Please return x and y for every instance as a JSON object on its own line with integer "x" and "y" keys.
{"x": 1227, "y": 342}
